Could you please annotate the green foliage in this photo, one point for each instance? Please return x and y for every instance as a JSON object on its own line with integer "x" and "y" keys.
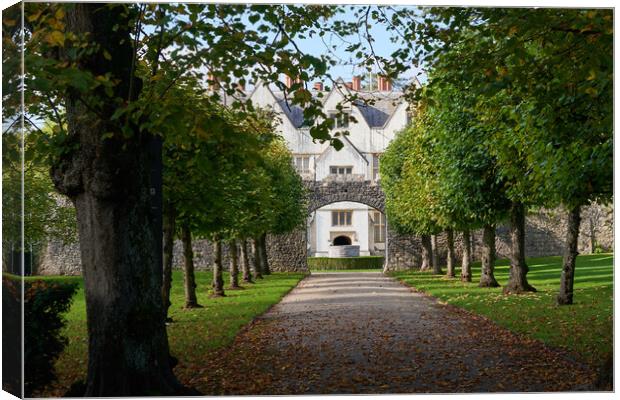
{"x": 194, "y": 336}
{"x": 585, "y": 327}
{"x": 44, "y": 305}
{"x": 345, "y": 263}
{"x": 47, "y": 214}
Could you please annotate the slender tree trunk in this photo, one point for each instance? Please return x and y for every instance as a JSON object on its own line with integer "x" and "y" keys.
{"x": 115, "y": 185}
{"x": 517, "y": 282}
{"x": 234, "y": 266}
{"x": 427, "y": 250}
{"x": 487, "y": 278}
{"x": 451, "y": 258}
{"x": 592, "y": 236}
{"x": 245, "y": 262}
{"x": 570, "y": 256}
{"x": 434, "y": 258}
{"x": 257, "y": 259}
{"x": 263, "y": 254}
{"x": 218, "y": 280}
{"x": 169, "y": 227}
{"x": 189, "y": 277}
{"x": 466, "y": 262}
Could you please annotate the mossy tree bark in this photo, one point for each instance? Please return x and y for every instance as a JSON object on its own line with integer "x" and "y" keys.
{"x": 234, "y": 265}
{"x": 115, "y": 185}
{"x": 466, "y": 260}
{"x": 264, "y": 260}
{"x": 218, "y": 279}
{"x": 169, "y": 228}
{"x": 517, "y": 282}
{"x": 487, "y": 277}
{"x": 565, "y": 296}
{"x": 451, "y": 257}
{"x": 246, "y": 275}
{"x": 434, "y": 256}
{"x": 257, "y": 259}
{"x": 426, "y": 253}
{"x": 189, "y": 277}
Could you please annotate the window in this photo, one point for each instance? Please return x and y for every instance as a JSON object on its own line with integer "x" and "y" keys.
{"x": 340, "y": 170}
{"x": 341, "y": 218}
{"x": 375, "y": 167}
{"x": 379, "y": 226}
{"x": 342, "y": 121}
{"x": 302, "y": 164}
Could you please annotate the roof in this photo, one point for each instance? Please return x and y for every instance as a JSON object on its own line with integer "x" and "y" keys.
{"x": 375, "y": 107}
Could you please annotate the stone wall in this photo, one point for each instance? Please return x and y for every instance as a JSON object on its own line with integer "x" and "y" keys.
{"x": 544, "y": 236}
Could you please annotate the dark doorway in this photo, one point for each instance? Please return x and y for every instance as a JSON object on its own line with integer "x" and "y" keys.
{"x": 342, "y": 241}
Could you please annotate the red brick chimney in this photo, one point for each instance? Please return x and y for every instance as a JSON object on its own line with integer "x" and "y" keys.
{"x": 212, "y": 81}
{"x": 318, "y": 86}
{"x": 384, "y": 84}
{"x": 289, "y": 81}
{"x": 349, "y": 85}
{"x": 357, "y": 83}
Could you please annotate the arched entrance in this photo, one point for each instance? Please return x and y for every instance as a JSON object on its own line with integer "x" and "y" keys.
{"x": 341, "y": 241}
{"x": 289, "y": 252}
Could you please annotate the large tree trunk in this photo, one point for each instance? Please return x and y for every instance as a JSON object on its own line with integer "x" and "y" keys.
{"x": 218, "y": 279}
{"x": 451, "y": 258}
{"x": 245, "y": 262}
{"x": 257, "y": 259}
{"x": 487, "y": 278}
{"x": 169, "y": 227}
{"x": 570, "y": 256}
{"x": 427, "y": 250}
{"x": 517, "y": 282}
{"x": 466, "y": 261}
{"x": 264, "y": 260}
{"x": 189, "y": 277}
{"x": 234, "y": 266}
{"x": 434, "y": 258}
{"x": 115, "y": 184}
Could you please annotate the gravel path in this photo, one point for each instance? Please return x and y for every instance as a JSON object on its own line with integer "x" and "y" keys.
{"x": 367, "y": 333}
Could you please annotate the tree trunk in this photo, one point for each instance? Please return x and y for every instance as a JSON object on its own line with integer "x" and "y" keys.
{"x": 592, "y": 236}
{"x": 487, "y": 278}
{"x": 570, "y": 256}
{"x": 434, "y": 258}
{"x": 257, "y": 259}
{"x": 245, "y": 262}
{"x": 169, "y": 227}
{"x": 451, "y": 259}
{"x": 466, "y": 262}
{"x": 189, "y": 277}
{"x": 426, "y": 253}
{"x": 517, "y": 282}
{"x": 263, "y": 254}
{"x": 234, "y": 266}
{"x": 115, "y": 185}
{"x": 218, "y": 279}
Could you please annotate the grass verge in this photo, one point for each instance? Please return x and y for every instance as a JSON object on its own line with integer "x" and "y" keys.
{"x": 585, "y": 328}
{"x": 193, "y": 334}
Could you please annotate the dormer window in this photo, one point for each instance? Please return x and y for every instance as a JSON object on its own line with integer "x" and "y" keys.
{"x": 340, "y": 122}
{"x": 340, "y": 170}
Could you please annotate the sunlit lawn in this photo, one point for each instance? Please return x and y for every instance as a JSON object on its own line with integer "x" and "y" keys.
{"x": 585, "y": 327}
{"x": 193, "y": 334}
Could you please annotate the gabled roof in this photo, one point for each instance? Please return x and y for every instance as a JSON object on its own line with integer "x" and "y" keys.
{"x": 376, "y": 115}
{"x": 350, "y": 147}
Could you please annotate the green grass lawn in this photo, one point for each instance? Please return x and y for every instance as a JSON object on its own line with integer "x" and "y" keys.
{"x": 193, "y": 334}
{"x": 585, "y": 327}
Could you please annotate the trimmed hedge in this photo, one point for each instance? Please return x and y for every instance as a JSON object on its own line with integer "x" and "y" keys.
{"x": 362, "y": 262}
{"x": 44, "y": 306}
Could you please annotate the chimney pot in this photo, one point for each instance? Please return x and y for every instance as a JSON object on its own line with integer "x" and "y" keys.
{"x": 357, "y": 83}
{"x": 318, "y": 86}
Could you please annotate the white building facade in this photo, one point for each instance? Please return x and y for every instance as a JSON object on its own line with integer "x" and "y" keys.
{"x": 375, "y": 126}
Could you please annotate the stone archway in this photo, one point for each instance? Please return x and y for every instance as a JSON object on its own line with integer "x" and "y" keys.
{"x": 289, "y": 252}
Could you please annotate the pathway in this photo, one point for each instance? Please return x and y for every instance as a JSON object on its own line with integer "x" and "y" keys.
{"x": 367, "y": 333}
